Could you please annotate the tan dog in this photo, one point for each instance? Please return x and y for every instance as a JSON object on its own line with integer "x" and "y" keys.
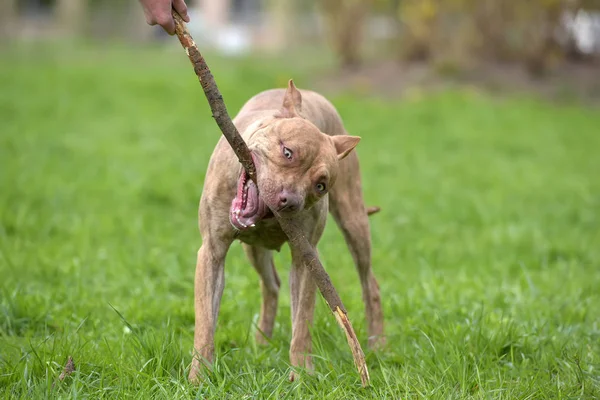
{"x": 305, "y": 167}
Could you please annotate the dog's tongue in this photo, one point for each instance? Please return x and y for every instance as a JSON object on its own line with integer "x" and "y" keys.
{"x": 251, "y": 207}
{"x": 246, "y": 208}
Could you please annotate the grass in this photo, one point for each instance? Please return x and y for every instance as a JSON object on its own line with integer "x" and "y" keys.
{"x": 487, "y": 248}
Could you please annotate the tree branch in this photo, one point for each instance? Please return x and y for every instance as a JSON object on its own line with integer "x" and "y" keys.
{"x": 298, "y": 242}
{"x": 213, "y": 95}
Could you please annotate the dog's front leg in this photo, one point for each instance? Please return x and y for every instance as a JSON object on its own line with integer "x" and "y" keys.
{"x": 303, "y": 290}
{"x": 208, "y": 289}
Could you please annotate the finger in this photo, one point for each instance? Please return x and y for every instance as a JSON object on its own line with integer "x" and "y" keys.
{"x": 166, "y": 21}
{"x": 181, "y": 8}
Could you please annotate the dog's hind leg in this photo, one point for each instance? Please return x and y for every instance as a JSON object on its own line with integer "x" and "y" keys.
{"x": 346, "y": 204}
{"x": 262, "y": 261}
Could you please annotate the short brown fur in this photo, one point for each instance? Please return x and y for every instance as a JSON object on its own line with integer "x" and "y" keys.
{"x": 307, "y": 123}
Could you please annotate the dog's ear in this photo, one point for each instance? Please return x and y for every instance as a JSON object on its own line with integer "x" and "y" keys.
{"x": 344, "y": 144}
{"x": 292, "y": 102}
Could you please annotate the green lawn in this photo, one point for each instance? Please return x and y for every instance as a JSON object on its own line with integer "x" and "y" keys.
{"x": 487, "y": 248}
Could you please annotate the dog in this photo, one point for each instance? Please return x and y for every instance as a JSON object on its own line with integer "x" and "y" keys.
{"x": 306, "y": 168}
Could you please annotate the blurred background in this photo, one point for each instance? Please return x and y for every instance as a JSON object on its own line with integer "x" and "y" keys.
{"x": 480, "y": 130}
{"x": 387, "y": 45}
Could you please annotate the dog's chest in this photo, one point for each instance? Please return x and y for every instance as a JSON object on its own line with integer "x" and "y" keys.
{"x": 267, "y": 234}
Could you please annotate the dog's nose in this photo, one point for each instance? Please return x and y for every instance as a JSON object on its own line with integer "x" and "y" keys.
{"x": 289, "y": 201}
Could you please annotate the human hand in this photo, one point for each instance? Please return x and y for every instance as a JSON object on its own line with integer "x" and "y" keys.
{"x": 158, "y": 12}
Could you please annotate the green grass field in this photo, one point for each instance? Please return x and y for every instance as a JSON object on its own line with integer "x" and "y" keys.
{"x": 487, "y": 248}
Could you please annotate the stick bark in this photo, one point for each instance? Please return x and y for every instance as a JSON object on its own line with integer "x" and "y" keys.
{"x": 290, "y": 227}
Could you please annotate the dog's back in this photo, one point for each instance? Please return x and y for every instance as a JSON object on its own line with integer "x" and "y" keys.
{"x": 315, "y": 107}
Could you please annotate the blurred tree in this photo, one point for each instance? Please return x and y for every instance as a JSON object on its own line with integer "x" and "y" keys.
{"x": 116, "y": 19}
{"x": 530, "y": 32}
{"x": 418, "y": 25}
{"x": 490, "y": 19}
{"x": 8, "y": 17}
{"x": 539, "y": 21}
{"x": 344, "y": 22}
{"x": 71, "y": 16}
{"x": 280, "y": 20}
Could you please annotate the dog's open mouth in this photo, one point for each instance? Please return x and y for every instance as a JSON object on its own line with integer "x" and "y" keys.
{"x": 247, "y": 208}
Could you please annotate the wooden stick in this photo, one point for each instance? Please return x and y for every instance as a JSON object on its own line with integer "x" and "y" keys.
{"x": 298, "y": 242}
{"x": 213, "y": 95}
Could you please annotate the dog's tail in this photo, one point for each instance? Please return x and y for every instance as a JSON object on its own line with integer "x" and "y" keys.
{"x": 373, "y": 210}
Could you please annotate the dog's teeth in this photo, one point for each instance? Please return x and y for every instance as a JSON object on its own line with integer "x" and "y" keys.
{"x": 240, "y": 222}
{"x": 252, "y": 226}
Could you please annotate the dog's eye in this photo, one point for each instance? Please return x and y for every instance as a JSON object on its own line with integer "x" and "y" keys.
{"x": 287, "y": 153}
{"x": 321, "y": 187}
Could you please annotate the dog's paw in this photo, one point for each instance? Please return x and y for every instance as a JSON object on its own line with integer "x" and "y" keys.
{"x": 261, "y": 338}
{"x": 295, "y": 375}
{"x": 301, "y": 363}
{"x": 196, "y": 375}
{"x": 195, "y": 378}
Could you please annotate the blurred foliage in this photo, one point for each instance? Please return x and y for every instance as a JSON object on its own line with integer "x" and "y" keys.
{"x": 345, "y": 27}
{"x": 461, "y": 32}
{"x": 454, "y": 34}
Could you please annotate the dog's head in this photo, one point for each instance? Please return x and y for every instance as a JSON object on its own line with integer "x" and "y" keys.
{"x": 296, "y": 165}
